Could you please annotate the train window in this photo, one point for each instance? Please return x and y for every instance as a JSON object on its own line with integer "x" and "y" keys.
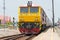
{"x": 43, "y": 13}
{"x": 23, "y": 9}
{"x": 34, "y": 9}
{"x": 42, "y": 19}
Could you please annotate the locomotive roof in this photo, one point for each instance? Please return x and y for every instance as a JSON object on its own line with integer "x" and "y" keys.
{"x": 27, "y": 6}
{"x": 31, "y": 6}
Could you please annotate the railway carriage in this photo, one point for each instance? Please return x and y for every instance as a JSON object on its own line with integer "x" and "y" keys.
{"x": 32, "y": 19}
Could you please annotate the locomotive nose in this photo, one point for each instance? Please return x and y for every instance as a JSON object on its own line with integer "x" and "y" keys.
{"x": 28, "y": 27}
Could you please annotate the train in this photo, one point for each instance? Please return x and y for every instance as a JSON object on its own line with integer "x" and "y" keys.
{"x": 32, "y": 19}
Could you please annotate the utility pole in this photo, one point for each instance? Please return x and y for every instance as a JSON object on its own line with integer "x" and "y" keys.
{"x": 13, "y": 21}
{"x": 53, "y": 13}
{"x": 4, "y": 12}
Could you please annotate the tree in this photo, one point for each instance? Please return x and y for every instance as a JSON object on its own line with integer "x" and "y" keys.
{"x": 0, "y": 21}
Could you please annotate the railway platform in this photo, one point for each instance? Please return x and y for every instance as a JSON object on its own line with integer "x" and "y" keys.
{"x": 8, "y": 32}
{"x": 48, "y": 35}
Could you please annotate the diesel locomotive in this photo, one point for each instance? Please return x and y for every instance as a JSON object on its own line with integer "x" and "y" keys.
{"x": 32, "y": 19}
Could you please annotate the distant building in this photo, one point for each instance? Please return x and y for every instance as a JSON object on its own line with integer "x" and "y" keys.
{"x": 7, "y": 19}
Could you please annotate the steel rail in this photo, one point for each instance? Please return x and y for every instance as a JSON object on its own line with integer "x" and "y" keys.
{"x": 32, "y": 36}
{"x": 12, "y": 36}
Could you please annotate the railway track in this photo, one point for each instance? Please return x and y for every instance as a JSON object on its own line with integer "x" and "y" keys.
{"x": 27, "y": 37}
{"x": 12, "y": 37}
{"x": 31, "y": 37}
{"x": 18, "y": 37}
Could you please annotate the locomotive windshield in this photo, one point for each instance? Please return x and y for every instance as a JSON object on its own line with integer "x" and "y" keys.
{"x": 33, "y": 9}
{"x": 23, "y": 9}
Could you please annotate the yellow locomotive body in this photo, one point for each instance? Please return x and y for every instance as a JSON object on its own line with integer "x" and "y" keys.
{"x": 32, "y": 19}
{"x": 30, "y": 16}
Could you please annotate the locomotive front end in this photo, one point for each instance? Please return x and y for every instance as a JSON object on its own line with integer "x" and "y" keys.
{"x": 29, "y": 19}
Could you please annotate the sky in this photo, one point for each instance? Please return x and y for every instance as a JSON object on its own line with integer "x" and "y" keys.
{"x": 12, "y": 7}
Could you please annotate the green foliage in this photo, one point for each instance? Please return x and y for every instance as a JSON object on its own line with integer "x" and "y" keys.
{"x": 8, "y": 23}
{"x": 1, "y": 26}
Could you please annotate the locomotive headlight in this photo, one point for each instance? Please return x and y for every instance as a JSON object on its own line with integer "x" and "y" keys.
{"x": 36, "y": 23}
{"x": 22, "y": 24}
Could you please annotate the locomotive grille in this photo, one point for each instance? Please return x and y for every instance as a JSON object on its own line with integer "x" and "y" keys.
{"x": 29, "y": 25}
